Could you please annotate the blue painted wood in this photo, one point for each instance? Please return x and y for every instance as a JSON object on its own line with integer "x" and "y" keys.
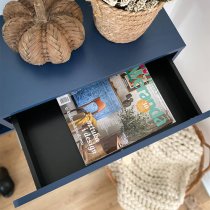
{"x": 109, "y": 159}
{"x": 6, "y": 124}
{"x": 23, "y": 86}
{"x": 4, "y": 129}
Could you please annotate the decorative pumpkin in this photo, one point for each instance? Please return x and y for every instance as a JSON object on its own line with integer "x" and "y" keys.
{"x": 43, "y": 30}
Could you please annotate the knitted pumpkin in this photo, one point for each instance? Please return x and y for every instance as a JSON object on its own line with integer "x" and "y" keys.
{"x": 43, "y": 30}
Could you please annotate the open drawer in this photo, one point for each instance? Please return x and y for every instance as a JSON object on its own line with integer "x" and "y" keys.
{"x": 50, "y": 149}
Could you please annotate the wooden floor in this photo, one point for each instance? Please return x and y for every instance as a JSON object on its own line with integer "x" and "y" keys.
{"x": 92, "y": 192}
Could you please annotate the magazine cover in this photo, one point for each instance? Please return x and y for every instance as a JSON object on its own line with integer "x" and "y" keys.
{"x": 108, "y": 115}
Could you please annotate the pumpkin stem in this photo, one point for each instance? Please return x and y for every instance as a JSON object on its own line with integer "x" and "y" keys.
{"x": 40, "y": 11}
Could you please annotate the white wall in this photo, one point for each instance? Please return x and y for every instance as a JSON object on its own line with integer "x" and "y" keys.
{"x": 2, "y": 3}
{"x": 192, "y": 19}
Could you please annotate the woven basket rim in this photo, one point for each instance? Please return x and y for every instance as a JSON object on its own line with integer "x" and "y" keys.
{"x": 124, "y": 12}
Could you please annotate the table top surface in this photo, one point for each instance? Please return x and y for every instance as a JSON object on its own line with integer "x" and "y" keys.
{"x": 23, "y": 85}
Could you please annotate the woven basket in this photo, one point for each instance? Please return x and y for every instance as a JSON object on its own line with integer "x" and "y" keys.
{"x": 196, "y": 177}
{"x": 122, "y": 26}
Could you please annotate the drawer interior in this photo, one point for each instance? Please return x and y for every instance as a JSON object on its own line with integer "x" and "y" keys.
{"x": 173, "y": 89}
{"x": 49, "y": 146}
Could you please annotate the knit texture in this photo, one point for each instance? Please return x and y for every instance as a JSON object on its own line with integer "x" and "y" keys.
{"x": 156, "y": 177}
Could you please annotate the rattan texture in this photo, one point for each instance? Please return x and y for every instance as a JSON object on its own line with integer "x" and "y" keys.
{"x": 122, "y": 26}
{"x": 43, "y": 30}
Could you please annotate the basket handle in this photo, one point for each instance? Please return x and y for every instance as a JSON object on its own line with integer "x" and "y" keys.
{"x": 208, "y": 167}
{"x": 204, "y": 144}
{"x": 110, "y": 175}
{"x": 202, "y": 170}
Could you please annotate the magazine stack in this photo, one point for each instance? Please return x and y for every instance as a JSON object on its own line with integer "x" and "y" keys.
{"x": 107, "y": 115}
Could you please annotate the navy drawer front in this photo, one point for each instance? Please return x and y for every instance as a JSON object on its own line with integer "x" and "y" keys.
{"x": 108, "y": 159}
{"x": 4, "y": 129}
{"x": 50, "y": 149}
{"x": 5, "y": 126}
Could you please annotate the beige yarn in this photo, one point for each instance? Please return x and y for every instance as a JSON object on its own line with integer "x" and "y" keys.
{"x": 156, "y": 177}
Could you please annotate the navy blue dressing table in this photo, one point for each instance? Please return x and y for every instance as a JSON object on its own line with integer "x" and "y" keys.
{"x": 28, "y": 93}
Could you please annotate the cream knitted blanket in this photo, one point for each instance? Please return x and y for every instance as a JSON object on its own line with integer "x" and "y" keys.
{"x": 156, "y": 177}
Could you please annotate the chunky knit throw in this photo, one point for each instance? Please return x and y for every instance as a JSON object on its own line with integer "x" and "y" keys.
{"x": 156, "y": 177}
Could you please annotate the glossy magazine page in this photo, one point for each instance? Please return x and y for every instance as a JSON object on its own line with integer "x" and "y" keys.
{"x": 108, "y": 115}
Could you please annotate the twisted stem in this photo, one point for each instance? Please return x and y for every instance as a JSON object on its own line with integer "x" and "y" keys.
{"x": 40, "y": 11}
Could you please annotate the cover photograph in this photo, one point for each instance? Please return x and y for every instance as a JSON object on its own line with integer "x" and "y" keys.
{"x": 108, "y": 115}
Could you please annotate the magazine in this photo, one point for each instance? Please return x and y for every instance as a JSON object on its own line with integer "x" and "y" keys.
{"x": 108, "y": 115}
